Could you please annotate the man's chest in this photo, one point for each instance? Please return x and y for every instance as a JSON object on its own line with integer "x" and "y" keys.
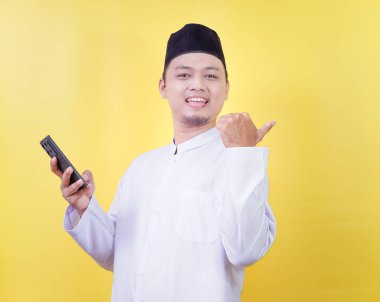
{"x": 177, "y": 198}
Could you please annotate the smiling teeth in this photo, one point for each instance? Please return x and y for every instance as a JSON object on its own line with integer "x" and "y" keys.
{"x": 197, "y": 100}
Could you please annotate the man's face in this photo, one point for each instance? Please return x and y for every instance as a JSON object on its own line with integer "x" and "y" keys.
{"x": 196, "y": 88}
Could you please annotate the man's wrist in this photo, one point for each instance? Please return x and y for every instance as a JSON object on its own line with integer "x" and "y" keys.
{"x": 82, "y": 208}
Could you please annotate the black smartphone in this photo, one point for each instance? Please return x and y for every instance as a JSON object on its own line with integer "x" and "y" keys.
{"x": 53, "y": 150}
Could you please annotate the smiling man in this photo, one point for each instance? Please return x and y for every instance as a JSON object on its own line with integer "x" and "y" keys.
{"x": 187, "y": 218}
{"x": 195, "y": 85}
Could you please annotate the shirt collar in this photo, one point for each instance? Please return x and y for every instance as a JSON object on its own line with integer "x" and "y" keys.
{"x": 196, "y": 141}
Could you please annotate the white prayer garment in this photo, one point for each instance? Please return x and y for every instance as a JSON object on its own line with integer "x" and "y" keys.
{"x": 184, "y": 223}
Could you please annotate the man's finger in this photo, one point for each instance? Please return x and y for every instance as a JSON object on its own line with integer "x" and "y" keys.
{"x": 221, "y": 118}
{"x": 87, "y": 176}
{"x": 246, "y": 115}
{"x": 264, "y": 130}
{"x": 226, "y": 116}
{"x": 66, "y": 177}
{"x": 267, "y": 126}
{"x": 87, "y": 188}
{"x": 54, "y": 167}
{"x": 72, "y": 189}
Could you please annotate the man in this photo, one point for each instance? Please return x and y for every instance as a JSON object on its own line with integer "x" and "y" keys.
{"x": 187, "y": 217}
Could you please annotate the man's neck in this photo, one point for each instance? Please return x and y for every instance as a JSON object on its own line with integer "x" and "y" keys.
{"x": 183, "y": 133}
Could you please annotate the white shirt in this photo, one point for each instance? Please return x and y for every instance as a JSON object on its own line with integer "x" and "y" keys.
{"x": 183, "y": 225}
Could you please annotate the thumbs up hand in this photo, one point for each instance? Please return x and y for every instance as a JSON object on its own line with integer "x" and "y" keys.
{"x": 238, "y": 130}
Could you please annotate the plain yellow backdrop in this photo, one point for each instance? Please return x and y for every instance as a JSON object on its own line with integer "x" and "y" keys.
{"x": 86, "y": 72}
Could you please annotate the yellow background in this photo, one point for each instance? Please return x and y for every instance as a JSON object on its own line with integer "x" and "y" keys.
{"x": 86, "y": 72}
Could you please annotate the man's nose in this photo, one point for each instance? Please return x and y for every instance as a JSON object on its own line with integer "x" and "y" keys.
{"x": 197, "y": 83}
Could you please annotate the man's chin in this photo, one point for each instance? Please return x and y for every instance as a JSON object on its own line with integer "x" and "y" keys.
{"x": 195, "y": 121}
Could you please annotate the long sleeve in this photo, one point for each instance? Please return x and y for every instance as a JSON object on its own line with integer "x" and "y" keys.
{"x": 95, "y": 230}
{"x": 247, "y": 224}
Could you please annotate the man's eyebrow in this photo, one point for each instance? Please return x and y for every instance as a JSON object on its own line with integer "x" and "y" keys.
{"x": 212, "y": 68}
{"x": 183, "y": 67}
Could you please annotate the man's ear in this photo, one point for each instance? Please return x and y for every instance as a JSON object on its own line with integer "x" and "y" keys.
{"x": 162, "y": 88}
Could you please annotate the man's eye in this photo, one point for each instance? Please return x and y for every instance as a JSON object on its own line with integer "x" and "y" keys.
{"x": 183, "y": 75}
{"x": 211, "y": 76}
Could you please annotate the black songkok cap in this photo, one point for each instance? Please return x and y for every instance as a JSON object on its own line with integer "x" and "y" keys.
{"x": 194, "y": 38}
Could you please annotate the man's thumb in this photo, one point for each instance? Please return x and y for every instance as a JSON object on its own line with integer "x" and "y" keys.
{"x": 87, "y": 176}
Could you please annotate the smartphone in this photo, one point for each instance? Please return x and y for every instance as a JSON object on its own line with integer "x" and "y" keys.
{"x": 53, "y": 150}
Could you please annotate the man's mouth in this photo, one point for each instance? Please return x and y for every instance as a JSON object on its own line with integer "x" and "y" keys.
{"x": 196, "y": 101}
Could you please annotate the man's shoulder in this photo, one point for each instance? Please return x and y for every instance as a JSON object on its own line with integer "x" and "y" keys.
{"x": 152, "y": 154}
{"x": 147, "y": 160}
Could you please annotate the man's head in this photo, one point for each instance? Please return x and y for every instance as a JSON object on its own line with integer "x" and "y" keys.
{"x": 195, "y": 77}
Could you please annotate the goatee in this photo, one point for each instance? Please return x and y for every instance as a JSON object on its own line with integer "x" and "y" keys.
{"x": 195, "y": 120}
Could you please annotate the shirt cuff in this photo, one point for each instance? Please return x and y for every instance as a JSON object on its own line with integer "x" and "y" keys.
{"x": 257, "y": 155}
{"x": 73, "y": 223}
{"x": 246, "y": 172}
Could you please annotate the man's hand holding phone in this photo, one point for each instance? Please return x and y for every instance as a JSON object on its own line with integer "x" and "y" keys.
{"x": 78, "y": 199}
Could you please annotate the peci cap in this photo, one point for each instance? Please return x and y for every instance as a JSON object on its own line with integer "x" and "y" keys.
{"x": 193, "y": 38}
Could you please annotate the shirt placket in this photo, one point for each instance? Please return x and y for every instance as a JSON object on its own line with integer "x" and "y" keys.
{"x": 153, "y": 230}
